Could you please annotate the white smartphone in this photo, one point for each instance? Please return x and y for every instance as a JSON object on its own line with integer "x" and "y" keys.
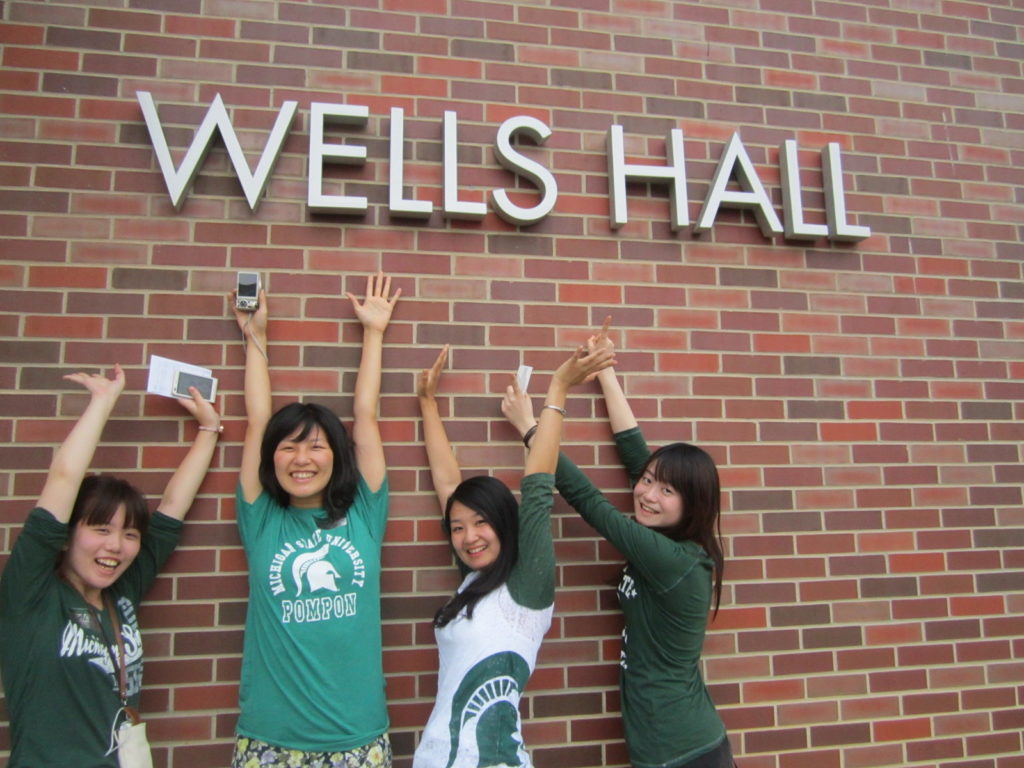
{"x": 182, "y": 381}
{"x": 523, "y": 376}
{"x": 247, "y": 293}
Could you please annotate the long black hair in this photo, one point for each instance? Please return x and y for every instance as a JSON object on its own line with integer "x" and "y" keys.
{"x": 493, "y": 501}
{"x": 692, "y": 472}
{"x": 304, "y": 418}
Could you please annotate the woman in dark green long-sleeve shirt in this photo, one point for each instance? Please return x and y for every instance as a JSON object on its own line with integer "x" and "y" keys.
{"x": 672, "y": 579}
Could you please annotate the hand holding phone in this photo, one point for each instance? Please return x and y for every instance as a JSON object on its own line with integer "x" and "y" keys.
{"x": 182, "y": 381}
{"x": 247, "y": 293}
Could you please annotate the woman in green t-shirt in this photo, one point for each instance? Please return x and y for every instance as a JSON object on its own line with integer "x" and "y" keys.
{"x": 312, "y": 508}
{"x": 70, "y": 646}
{"x": 672, "y": 579}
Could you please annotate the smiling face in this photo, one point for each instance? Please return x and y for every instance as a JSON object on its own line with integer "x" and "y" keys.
{"x": 474, "y": 540}
{"x": 303, "y": 467}
{"x": 656, "y": 504}
{"x": 98, "y": 554}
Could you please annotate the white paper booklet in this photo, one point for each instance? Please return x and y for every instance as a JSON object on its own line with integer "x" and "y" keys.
{"x": 172, "y": 378}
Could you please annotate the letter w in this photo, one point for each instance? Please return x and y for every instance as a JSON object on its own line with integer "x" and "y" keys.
{"x": 180, "y": 179}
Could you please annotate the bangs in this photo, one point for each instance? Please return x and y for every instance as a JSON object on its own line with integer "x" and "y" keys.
{"x": 687, "y": 468}
{"x": 670, "y": 468}
{"x": 99, "y": 498}
{"x": 301, "y": 431}
{"x": 296, "y": 421}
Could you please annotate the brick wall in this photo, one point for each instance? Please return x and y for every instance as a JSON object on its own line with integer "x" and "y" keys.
{"x": 863, "y": 400}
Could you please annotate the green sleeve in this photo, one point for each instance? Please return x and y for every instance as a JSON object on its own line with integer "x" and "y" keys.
{"x": 532, "y": 581}
{"x": 158, "y": 545}
{"x": 33, "y": 558}
{"x": 633, "y": 451}
{"x": 660, "y": 560}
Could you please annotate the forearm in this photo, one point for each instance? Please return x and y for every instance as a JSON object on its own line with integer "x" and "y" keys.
{"x": 258, "y": 400}
{"x": 184, "y": 484}
{"x": 369, "y": 447}
{"x": 71, "y": 461}
{"x": 367, "y": 393}
{"x": 444, "y": 467}
{"x": 76, "y": 452}
{"x": 532, "y": 581}
{"x": 544, "y": 446}
{"x": 258, "y": 405}
{"x": 575, "y": 487}
{"x": 620, "y": 415}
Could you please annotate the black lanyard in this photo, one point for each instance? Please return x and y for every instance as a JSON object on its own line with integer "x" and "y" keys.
{"x": 120, "y": 674}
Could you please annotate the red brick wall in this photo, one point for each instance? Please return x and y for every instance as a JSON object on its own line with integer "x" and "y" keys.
{"x": 863, "y": 401}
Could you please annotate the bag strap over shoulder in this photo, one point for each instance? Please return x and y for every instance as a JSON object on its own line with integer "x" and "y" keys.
{"x": 122, "y": 673}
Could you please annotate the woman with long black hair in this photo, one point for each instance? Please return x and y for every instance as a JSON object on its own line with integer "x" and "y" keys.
{"x": 488, "y": 633}
{"x": 672, "y": 580}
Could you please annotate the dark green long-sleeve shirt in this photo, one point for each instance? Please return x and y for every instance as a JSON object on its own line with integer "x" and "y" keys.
{"x": 665, "y": 594}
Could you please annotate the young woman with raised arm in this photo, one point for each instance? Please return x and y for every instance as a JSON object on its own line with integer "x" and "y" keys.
{"x": 312, "y": 508}
{"x": 488, "y": 633}
{"x": 70, "y": 592}
{"x": 672, "y": 580}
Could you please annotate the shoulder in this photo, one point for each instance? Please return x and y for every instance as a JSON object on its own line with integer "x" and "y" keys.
{"x": 264, "y": 504}
{"x": 44, "y": 521}
{"x": 366, "y": 495}
{"x": 42, "y": 530}
{"x": 690, "y": 561}
{"x": 161, "y": 523}
{"x": 687, "y": 553}
{"x": 369, "y": 504}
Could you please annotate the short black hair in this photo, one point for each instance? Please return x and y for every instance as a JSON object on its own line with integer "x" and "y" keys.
{"x": 304, "y": 418}
{"x": 100, "y": 496}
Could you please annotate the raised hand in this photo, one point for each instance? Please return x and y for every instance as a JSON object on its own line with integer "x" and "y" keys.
{"x": 426, "y": 382}
{"x": 600, "y": 340}
{"x": 583, "y": 365}
{"x": 251, "y": 323}
{"x": 71, "y": 460}
{"x": 99, "y": 386}
{"x": 375, "y": 311}
{"x": 517, "y": 407}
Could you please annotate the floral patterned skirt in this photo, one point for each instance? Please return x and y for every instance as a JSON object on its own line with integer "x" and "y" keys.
{"x": 253, "y": 753}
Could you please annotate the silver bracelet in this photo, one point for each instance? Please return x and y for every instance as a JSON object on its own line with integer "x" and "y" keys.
{"x": 218, "y": 429}
{"x": 558, "y": 408}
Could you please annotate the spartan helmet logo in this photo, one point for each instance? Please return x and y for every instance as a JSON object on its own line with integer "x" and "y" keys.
{"x": 318, "y": 573}
{"x": 484, "y": 726}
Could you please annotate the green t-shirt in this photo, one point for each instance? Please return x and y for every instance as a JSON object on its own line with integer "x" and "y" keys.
{"x": 312, "y": 676}
{"x": 665, "y": 594}
{"x": 57, "y": 663}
